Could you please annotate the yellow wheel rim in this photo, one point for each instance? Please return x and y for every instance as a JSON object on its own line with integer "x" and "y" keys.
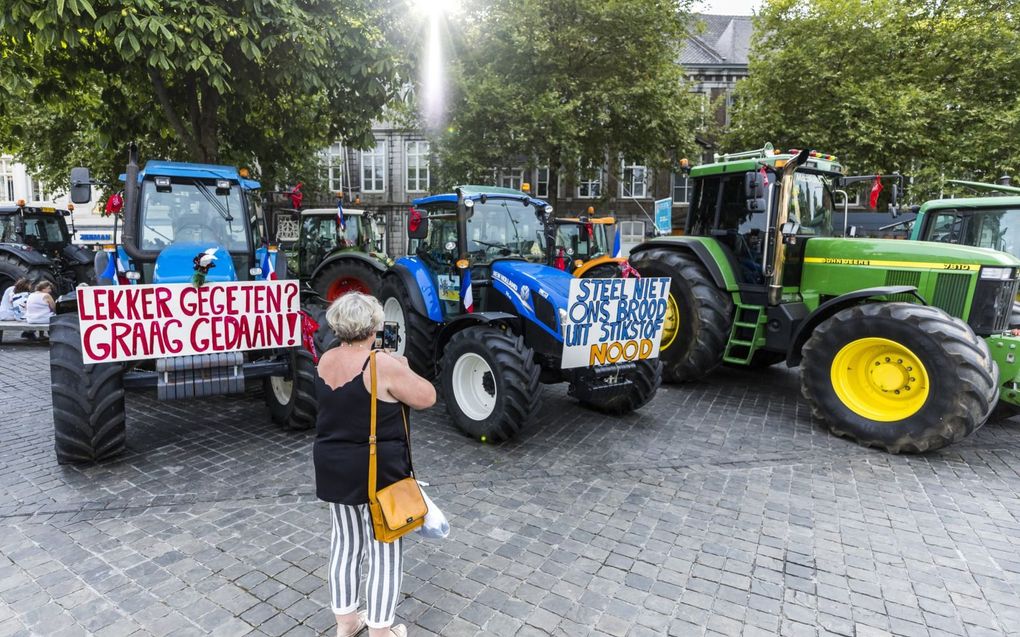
{"x": 880, "y": 379}
{"x": 670, "y": 323}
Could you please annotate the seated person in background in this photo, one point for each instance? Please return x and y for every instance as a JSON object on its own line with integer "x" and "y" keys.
{"x": 39, "y": 307}
{"x": 12, "y": 305}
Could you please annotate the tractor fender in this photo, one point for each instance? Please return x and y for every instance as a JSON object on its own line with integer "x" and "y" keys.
{"x": 462, "y": 321}
{"x": 77, "y": 255}
{"x": 359, "y": 256}
{"x": 413, "y": 284}
{"x": 596, "y": 262}
{"x": 25, "y": 253}
{"x": 830, "y": 307}
{"x": 67, "y": 303}
{"x": 697, "y": 249}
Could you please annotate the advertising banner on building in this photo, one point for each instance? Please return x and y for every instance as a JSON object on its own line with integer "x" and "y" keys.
{"x": 130, "y": 322}
{"x": 614, "y": 320}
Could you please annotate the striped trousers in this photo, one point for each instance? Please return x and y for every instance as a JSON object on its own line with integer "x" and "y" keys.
{"x": 352, "y": 538}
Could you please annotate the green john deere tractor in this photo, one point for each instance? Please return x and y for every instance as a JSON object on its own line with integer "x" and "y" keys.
{"x": 902, "y": 345}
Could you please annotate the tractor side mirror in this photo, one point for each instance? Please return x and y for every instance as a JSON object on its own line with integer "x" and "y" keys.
{"x": 754, "y": 185}
{"x": 894, "y": 195}
{"x": 417, "y": 224}
{"x": 756, "y": 205}
{"x": 81, "y": 185}
{"x": 790, "y": 228}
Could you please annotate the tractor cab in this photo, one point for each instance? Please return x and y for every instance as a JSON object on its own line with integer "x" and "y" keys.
{"x": 480, "y": 225}
{"x": 321, "y": 236}
{"x": 175, "y": 210}
{"x": 985, "y": 222}
{"x": 40, "y": 227}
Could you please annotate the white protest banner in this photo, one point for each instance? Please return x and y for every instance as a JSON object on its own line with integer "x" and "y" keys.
{"x": 130, "y": 322}
{"x": 613, "y": 320}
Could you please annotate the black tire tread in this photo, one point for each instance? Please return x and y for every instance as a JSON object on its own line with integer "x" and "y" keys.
{"x": 646, "y": 379}
{"x": 420, "y": 339}
{"x": 346, "y": 267}
{"x": 714, "y": 307}
{"x": 976, "y": 393}
{"x": 88, "y": 400}
{"x": 520, "y": 374}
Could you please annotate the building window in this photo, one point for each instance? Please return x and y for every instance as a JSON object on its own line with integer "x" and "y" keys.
{"x": 589, "y": 184}
{"x": 417, "y": 154}
{"x": 631, "y": 234}
{"x": 333, "y": 165}
{"x": 681, "y": 189}
{"x": 38, "y": 189}
{"x": 373, "y": 169}
{"x": 7, "y": 179}
{"x": 542, "y": 182}
{"x": 511, "y": 178}
{"x": 634, "y": 184}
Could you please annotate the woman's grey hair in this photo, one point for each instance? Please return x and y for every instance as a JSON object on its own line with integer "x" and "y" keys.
{"x": 354, "y": 317}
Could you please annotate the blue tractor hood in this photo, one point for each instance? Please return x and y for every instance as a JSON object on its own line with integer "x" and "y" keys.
{"x": 175, "y": 264}
{"x": 522, "y": 282}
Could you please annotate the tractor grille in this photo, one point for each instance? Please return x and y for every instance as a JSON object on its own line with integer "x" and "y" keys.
{"x": 903, "y": 277}
{"x": 545, "y": 312}
{"x": 951, "y": 292}
{"x": 993, "y": 302}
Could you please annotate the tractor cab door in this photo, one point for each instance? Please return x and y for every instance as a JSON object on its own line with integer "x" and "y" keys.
{"x": 720, "y": 210}
{"x": 438, "y": 250}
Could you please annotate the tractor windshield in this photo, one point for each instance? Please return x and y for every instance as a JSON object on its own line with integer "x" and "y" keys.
{"x": 503, "y": 228}
{"x": 997, "y": 228}
{"x": 811, "y": 204}
{"x": 46, "y": 230}
{"x": 581, "y": 240}
{"x": 192, "y": 212}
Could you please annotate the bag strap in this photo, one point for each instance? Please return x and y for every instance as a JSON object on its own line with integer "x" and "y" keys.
{"x": 372, "y": 448}
{"x": 407, "y": 433}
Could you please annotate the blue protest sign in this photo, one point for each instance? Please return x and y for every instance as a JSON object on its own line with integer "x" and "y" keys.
{"x": 664, "y": 215}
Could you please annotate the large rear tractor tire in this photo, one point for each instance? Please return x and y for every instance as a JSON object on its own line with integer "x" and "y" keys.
{"x": 645, "y": 381}
{"x": 346, "y": 275}
{"x": 417, "y": 333}
{"x": 490, "y": 383}
{"x": 897, "y": 376}
{"x": 12, "y": 269}
{"x": 88, "y": 400}
{"x": 292, "y": 402}
{"x": 698, "y": 314}
{"x": 604, "y": 271}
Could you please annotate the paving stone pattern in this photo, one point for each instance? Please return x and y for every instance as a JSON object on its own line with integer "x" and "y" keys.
{"x": 719, "y": 509}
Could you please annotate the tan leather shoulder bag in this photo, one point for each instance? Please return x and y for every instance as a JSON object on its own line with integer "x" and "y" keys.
{"x": 399, "y": 508}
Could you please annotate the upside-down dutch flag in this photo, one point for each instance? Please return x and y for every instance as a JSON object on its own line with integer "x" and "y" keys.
{"x": 268, "y": 271}
{"x": 111, "y": 267}
{"x": 466, "y": 297}
{"x": 618, "y": 244}
{"x": 340, "y": 221}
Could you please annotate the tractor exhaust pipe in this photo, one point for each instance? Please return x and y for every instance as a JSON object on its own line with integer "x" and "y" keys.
{"x": 129, "y": 233}
{"x": 782, "y": 216}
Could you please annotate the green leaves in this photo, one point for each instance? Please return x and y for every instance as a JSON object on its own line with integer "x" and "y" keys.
{"x": 206, "y": 80}
{"x": 928, "y": 88}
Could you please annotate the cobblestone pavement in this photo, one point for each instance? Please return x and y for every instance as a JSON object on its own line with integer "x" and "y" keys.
{"x": 718, "y": 509}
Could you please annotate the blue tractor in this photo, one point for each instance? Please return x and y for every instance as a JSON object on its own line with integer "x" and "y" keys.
{"x": 171, "y": 212}
{"x": 493, "y": 348}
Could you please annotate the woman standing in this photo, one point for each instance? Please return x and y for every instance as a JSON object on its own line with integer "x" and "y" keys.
{"x": 341, "y": 461}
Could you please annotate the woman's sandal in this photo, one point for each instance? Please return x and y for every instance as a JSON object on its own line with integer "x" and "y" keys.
{"x": 362, "y": 625}
{"x": 399, "y": 630}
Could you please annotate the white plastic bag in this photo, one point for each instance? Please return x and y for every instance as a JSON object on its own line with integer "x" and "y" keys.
{"x": 436, "y": 526}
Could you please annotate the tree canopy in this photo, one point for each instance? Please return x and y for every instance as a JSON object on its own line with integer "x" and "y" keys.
{"x": 262, "y": 83}
{"x": 927, "y": 87}
{"x": 568, "y": 82}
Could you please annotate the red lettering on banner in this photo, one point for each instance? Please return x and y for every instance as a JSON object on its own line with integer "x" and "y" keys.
{"x": 163, "y": 296}
{"x": 188, "y": 308}
{"x": 197, "y": 344}
{"x": 292, "y": 319}
{"x": 118, "y": 333}
{"x": 100, "y": 350}
{"x": 173, "y": 345}
{"x": 81, "y": 306}
{"x": 273, "y": 299}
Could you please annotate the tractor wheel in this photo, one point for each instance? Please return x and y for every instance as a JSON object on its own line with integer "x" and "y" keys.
{"x": 490, "y": 383}
{"x": 645, "y": 381}
{"x": 12, "y": 269}
{"x": 346, "y": 275}
{"x": 417, "y": 333}
{"x": 898, "y": 376}
{"x": 88, "y": 400}
{"x": 605, "y": 271}
{"x": 292, "y": 402}
{"x": 698, "y": 314}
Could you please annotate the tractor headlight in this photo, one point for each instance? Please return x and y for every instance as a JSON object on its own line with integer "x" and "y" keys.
{"x": 548, "y": 209}
{"x": 131, "y": 275}
{"x": 998, "y": 274}
{"x": 469, "y": 203}
{"x": 255, "y": 271}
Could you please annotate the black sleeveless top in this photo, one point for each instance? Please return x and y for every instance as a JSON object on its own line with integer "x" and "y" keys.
{"x": 340, "y": 452}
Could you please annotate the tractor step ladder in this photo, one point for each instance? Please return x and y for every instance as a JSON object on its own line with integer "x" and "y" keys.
{"x": 748, "y": 326}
